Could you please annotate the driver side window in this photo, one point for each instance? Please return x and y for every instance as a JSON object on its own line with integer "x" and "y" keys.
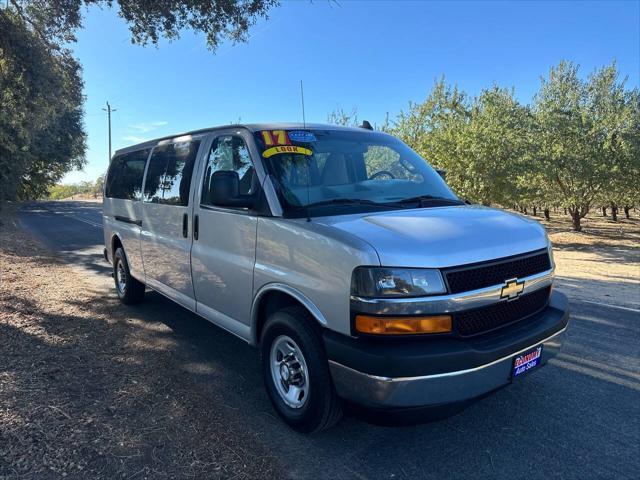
{"x": 230, "y": 153}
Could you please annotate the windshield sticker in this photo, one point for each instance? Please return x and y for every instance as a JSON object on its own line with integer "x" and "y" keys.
{"x": 269, "y": 152}
{"x": 301, "y": 136}
{"x": 275, "y": 137}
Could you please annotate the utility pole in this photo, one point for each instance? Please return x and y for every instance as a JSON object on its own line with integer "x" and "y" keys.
{"x": 109, "y": 110}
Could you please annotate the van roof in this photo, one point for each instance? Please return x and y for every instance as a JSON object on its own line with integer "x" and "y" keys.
{"x": 252, "y": 127}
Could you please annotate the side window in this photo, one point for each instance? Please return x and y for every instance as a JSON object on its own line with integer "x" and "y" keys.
{"x": 230, "y": 153}
{"x": 124, "y": 179}
{"x": 169, "y": 173}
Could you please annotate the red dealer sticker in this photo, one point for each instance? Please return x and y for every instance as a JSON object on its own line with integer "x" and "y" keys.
{"x": 275, "y": 137}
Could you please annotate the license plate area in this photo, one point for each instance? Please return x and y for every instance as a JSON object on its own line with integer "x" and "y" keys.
{"x": 527, "y": 361}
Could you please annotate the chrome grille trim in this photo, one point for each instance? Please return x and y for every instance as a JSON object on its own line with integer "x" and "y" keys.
{"x": 446, "y": 303}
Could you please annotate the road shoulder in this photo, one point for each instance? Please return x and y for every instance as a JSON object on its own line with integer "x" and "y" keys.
{"x": 89, "y": 389}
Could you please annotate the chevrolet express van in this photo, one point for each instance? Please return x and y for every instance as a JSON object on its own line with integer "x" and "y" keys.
{"x": 343, "y": 256}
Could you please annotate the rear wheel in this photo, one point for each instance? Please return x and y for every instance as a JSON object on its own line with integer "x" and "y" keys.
{"x": 296, "y": 372}
{"x": 130, "y": 290}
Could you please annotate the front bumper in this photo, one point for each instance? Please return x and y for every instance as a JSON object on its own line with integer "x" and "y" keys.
{"x": 403, "y": 373}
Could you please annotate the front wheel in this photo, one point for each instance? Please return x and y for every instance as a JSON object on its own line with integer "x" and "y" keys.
{"x": 130, "y": 290}
{"x": 296, "y": 373}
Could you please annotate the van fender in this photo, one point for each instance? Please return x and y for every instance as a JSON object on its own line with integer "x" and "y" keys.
{"x": 292, "y": 292}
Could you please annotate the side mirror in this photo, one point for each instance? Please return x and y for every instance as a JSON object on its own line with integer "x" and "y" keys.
{"x": 442, "y": 173}
{"x": 224, "y": 191}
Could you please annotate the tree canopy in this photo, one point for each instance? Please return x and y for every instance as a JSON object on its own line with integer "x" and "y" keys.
{"x": 41, "y": 130}
{"x": 42, "y": 134}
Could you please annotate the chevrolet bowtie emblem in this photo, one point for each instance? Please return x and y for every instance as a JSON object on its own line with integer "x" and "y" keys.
{"x": 511, "y": 289}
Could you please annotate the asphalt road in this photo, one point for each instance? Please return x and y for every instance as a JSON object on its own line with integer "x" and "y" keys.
{"x": 579, "y": 417}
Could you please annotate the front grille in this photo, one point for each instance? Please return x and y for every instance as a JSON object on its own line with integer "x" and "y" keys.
{"x": 481, "y": 320}
{"x": 473, "y": 277}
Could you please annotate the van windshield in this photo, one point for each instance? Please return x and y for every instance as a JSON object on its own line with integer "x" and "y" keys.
{"x": 327, "y": 172}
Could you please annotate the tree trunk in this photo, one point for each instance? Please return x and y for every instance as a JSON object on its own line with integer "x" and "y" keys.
{"x": 524, "y": 210}
{"x": 626, "y": 211}
{"x": 614, "y": 212}
{"x": 604, "y": 211}
{"x": 535, "y": 211}
{"x": 565, "y": 211}
{"x": 575, "y": 219}
{"x": 546, "y": 213}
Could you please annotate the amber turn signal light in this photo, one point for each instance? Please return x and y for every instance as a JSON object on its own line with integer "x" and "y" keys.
{"x": 403, "y": 325}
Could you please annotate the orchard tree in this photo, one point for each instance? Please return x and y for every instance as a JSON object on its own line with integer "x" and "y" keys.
{"x": 582, "y": 134}
{"x": 340, "y": 117}
{"x": 431, "y": 127}
{"x": 484, "y": 144}
{"x": 494, "y": 149}
{"x": 620, "y": 125}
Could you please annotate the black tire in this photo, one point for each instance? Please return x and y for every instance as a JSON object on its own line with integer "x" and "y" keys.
{"x": 131, "y": 291}
{"x": 322, "y": 408}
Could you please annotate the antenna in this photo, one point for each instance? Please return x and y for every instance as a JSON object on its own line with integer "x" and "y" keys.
{"x": 304, "y": 123}
{"x": 304, "y": 126}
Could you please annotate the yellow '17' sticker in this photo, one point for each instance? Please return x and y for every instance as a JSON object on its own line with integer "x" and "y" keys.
{"x": 269, "y": 152}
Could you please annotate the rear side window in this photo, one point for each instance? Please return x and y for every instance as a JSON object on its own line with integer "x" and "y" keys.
{"x": 124, "y": 179}
{"x": 169, "y": 174}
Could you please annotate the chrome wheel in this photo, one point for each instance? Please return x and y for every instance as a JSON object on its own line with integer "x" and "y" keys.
{"x": 289, "y": 371}
{"x": 121, "y": 277}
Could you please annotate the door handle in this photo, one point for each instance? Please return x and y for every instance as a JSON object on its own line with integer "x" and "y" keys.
{"x": 185, "y": 225}
{"x": 196, "y": 224}
{"x": 128, "y": 220}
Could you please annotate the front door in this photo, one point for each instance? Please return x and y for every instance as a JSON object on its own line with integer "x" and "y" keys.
{"x": 166, "y": 231}
{"x": 223, "y": 254}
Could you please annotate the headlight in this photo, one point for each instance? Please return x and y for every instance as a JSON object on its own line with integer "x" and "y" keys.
{"x": 396, "y": 282}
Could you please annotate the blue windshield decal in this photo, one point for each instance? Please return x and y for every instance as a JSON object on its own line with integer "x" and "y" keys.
{"x": 301, "y": 136}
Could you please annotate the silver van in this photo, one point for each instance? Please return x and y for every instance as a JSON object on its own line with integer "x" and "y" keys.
{"x": 343, "y": 256}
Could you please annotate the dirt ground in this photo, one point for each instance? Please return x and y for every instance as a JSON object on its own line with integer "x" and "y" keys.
{"x": 77, "y": 401}
{"x": 601, "y": 263}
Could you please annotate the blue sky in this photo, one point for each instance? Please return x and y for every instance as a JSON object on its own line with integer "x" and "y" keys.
{"x": 374, "y": 56}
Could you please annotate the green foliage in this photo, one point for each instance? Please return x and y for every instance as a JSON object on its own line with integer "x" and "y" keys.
{"x": 340, "y": 117}
{"x": 577, "y": 144}
{"x": 588, "y": 135}
{"x": 57, "y": 20}
{"x": 59, "y": 191}
{"x": 41, "y": 130}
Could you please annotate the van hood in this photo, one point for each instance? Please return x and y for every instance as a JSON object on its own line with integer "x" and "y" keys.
{"x": 442, "y": 236}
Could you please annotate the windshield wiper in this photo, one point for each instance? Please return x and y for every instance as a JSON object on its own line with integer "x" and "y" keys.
{"x": 421, "y": 199}
{"x": 350, "y": 201}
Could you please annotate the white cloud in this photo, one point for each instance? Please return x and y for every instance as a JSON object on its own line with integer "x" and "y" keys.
{"x": 136, "y": 133}
{"x": 134, "y": 139}
{"x": 146, "y": 127}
